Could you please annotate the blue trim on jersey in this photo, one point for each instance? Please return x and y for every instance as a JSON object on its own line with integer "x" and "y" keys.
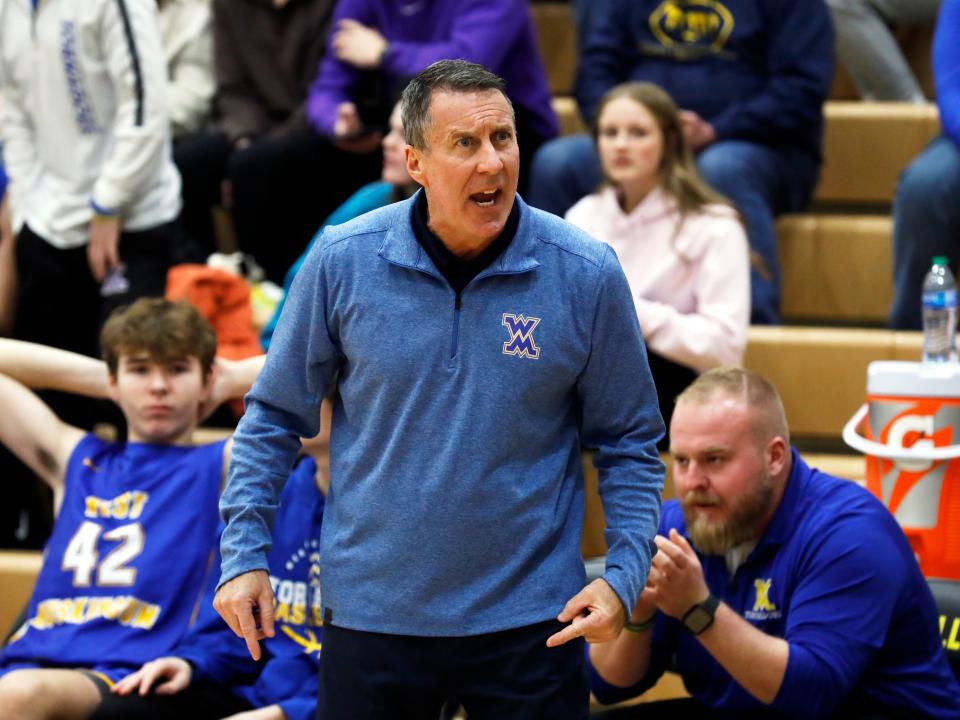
{"x": 112, "y": 590}
{"x": 287, "y": 674}
{"x": 834, "y": 576}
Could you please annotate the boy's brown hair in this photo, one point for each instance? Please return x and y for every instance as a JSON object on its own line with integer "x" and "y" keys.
{"x": 167, "y": 331}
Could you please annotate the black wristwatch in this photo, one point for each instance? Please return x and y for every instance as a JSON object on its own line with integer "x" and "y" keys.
{"x": 700, "y": 616}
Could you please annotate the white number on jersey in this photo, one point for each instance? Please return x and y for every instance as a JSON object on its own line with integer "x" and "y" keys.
{"x": 81, "y": 555}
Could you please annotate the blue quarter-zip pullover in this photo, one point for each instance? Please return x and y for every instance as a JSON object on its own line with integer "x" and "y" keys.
{"x": 456, "y": 498}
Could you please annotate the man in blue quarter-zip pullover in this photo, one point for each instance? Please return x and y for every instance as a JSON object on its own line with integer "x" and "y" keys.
{"x": 477, "y": 344}
{"x": 778, "y": 591}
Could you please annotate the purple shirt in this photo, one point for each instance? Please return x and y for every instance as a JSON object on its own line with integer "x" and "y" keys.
{"x": 497, "y": 34}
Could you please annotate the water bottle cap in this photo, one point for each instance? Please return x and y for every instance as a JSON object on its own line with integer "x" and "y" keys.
{"x": 940, "y": 260}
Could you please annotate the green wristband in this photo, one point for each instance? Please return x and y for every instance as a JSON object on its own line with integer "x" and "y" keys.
{"x": 640, "y": 626}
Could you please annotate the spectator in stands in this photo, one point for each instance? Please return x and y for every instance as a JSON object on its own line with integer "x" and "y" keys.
{"x": 394, "y": 185}
{"x": 750, "y": 76}
{"x": 93, "y": 192}
{"x": 391, "y": 42}
{"x": 448, "y": 556}
{"x": 926, "y": 208}
{"x": 111, "y": 594}
{"x": 777, "y": 590}
{"x": 187, "y": 34}
{"x": 209, "y": 674}
{"x": 681, "y": 246}
{"x": 869, "y": 51}
{"x": 262, "y": 160}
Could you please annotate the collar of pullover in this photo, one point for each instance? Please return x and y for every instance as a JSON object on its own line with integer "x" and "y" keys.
{"x": 403, "y": 246}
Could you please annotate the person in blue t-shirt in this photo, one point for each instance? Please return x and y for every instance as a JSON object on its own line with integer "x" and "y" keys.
{"x": 112, "y": 592}
{"x": 777, "y": 590}
{"x": 210, "y": 674}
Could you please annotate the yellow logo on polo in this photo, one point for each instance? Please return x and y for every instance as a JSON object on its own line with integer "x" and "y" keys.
{"x": 692, "y": 22}
{"x": 762, "y": 603}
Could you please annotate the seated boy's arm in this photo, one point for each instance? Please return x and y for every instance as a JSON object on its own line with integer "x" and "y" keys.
{"x": 43, "y": 367}
{"x": 32, "y": 432}
{"x": 232, "y": 379}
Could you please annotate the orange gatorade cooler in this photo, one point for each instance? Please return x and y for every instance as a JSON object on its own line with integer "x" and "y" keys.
{"x": 912, "y": 446}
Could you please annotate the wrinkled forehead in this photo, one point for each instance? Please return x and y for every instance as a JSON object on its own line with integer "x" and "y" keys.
{"x": 467, "y": 108}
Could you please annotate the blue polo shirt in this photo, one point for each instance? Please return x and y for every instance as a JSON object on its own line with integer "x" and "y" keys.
{"x": 834, "y": 576}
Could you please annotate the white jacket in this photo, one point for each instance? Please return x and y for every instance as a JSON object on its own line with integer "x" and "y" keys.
{"x": 186, "y": 29}
{"x": 84, "y": 120}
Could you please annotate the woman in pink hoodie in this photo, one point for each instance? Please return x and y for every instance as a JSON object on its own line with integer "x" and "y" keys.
{"x": 681, "y": 245}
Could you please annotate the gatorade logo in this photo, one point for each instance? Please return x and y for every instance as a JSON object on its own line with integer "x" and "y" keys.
{"x": 913, "y": 432}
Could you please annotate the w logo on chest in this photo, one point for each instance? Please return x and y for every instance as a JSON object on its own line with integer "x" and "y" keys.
{"x": 521, "y": 342}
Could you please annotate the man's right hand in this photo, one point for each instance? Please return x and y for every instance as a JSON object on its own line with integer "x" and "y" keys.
{"x": 103, "y": 248}
{"x": 239, "y": 600}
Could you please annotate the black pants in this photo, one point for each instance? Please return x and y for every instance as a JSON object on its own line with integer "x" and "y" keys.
{"x": 507, "y": 674}
{"x": 59, "y": 301}
{"x": 200, "y": 701}
{"x": 671, "y": 379}
{"x": 283, "y": 190}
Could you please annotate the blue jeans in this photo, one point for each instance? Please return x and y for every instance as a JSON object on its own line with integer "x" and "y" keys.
{"x": 926, "y": 223}
{"x": 761, "y": 181}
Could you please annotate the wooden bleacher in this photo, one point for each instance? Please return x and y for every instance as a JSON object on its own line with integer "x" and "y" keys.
{"x": 18, "y": 571}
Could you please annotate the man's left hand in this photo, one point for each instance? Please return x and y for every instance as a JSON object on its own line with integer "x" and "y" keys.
{"x": 676, "y": 577}
{"x": 103, "y": 250}
{"x": 595, "y": 613}
{"x": 356, "y": 44}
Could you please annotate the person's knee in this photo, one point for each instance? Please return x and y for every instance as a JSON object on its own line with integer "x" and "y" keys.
{"x": 929, "y": 181}
{"x": 726, "y": 164}
{"x": 554, "y": 157}
{"x": 561, "y": 172}
{"x": 19, "y": 695}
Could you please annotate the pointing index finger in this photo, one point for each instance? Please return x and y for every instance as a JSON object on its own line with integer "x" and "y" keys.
{"x": 248, "y": 628}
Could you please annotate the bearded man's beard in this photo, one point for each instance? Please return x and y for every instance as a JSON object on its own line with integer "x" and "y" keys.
{"x": 713, "y": 537}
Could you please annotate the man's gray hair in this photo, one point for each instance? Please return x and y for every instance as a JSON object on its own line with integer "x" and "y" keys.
{"x": 443, "y": 76}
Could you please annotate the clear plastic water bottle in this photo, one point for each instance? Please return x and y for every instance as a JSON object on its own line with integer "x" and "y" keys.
{"x": 939, "y": 313}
